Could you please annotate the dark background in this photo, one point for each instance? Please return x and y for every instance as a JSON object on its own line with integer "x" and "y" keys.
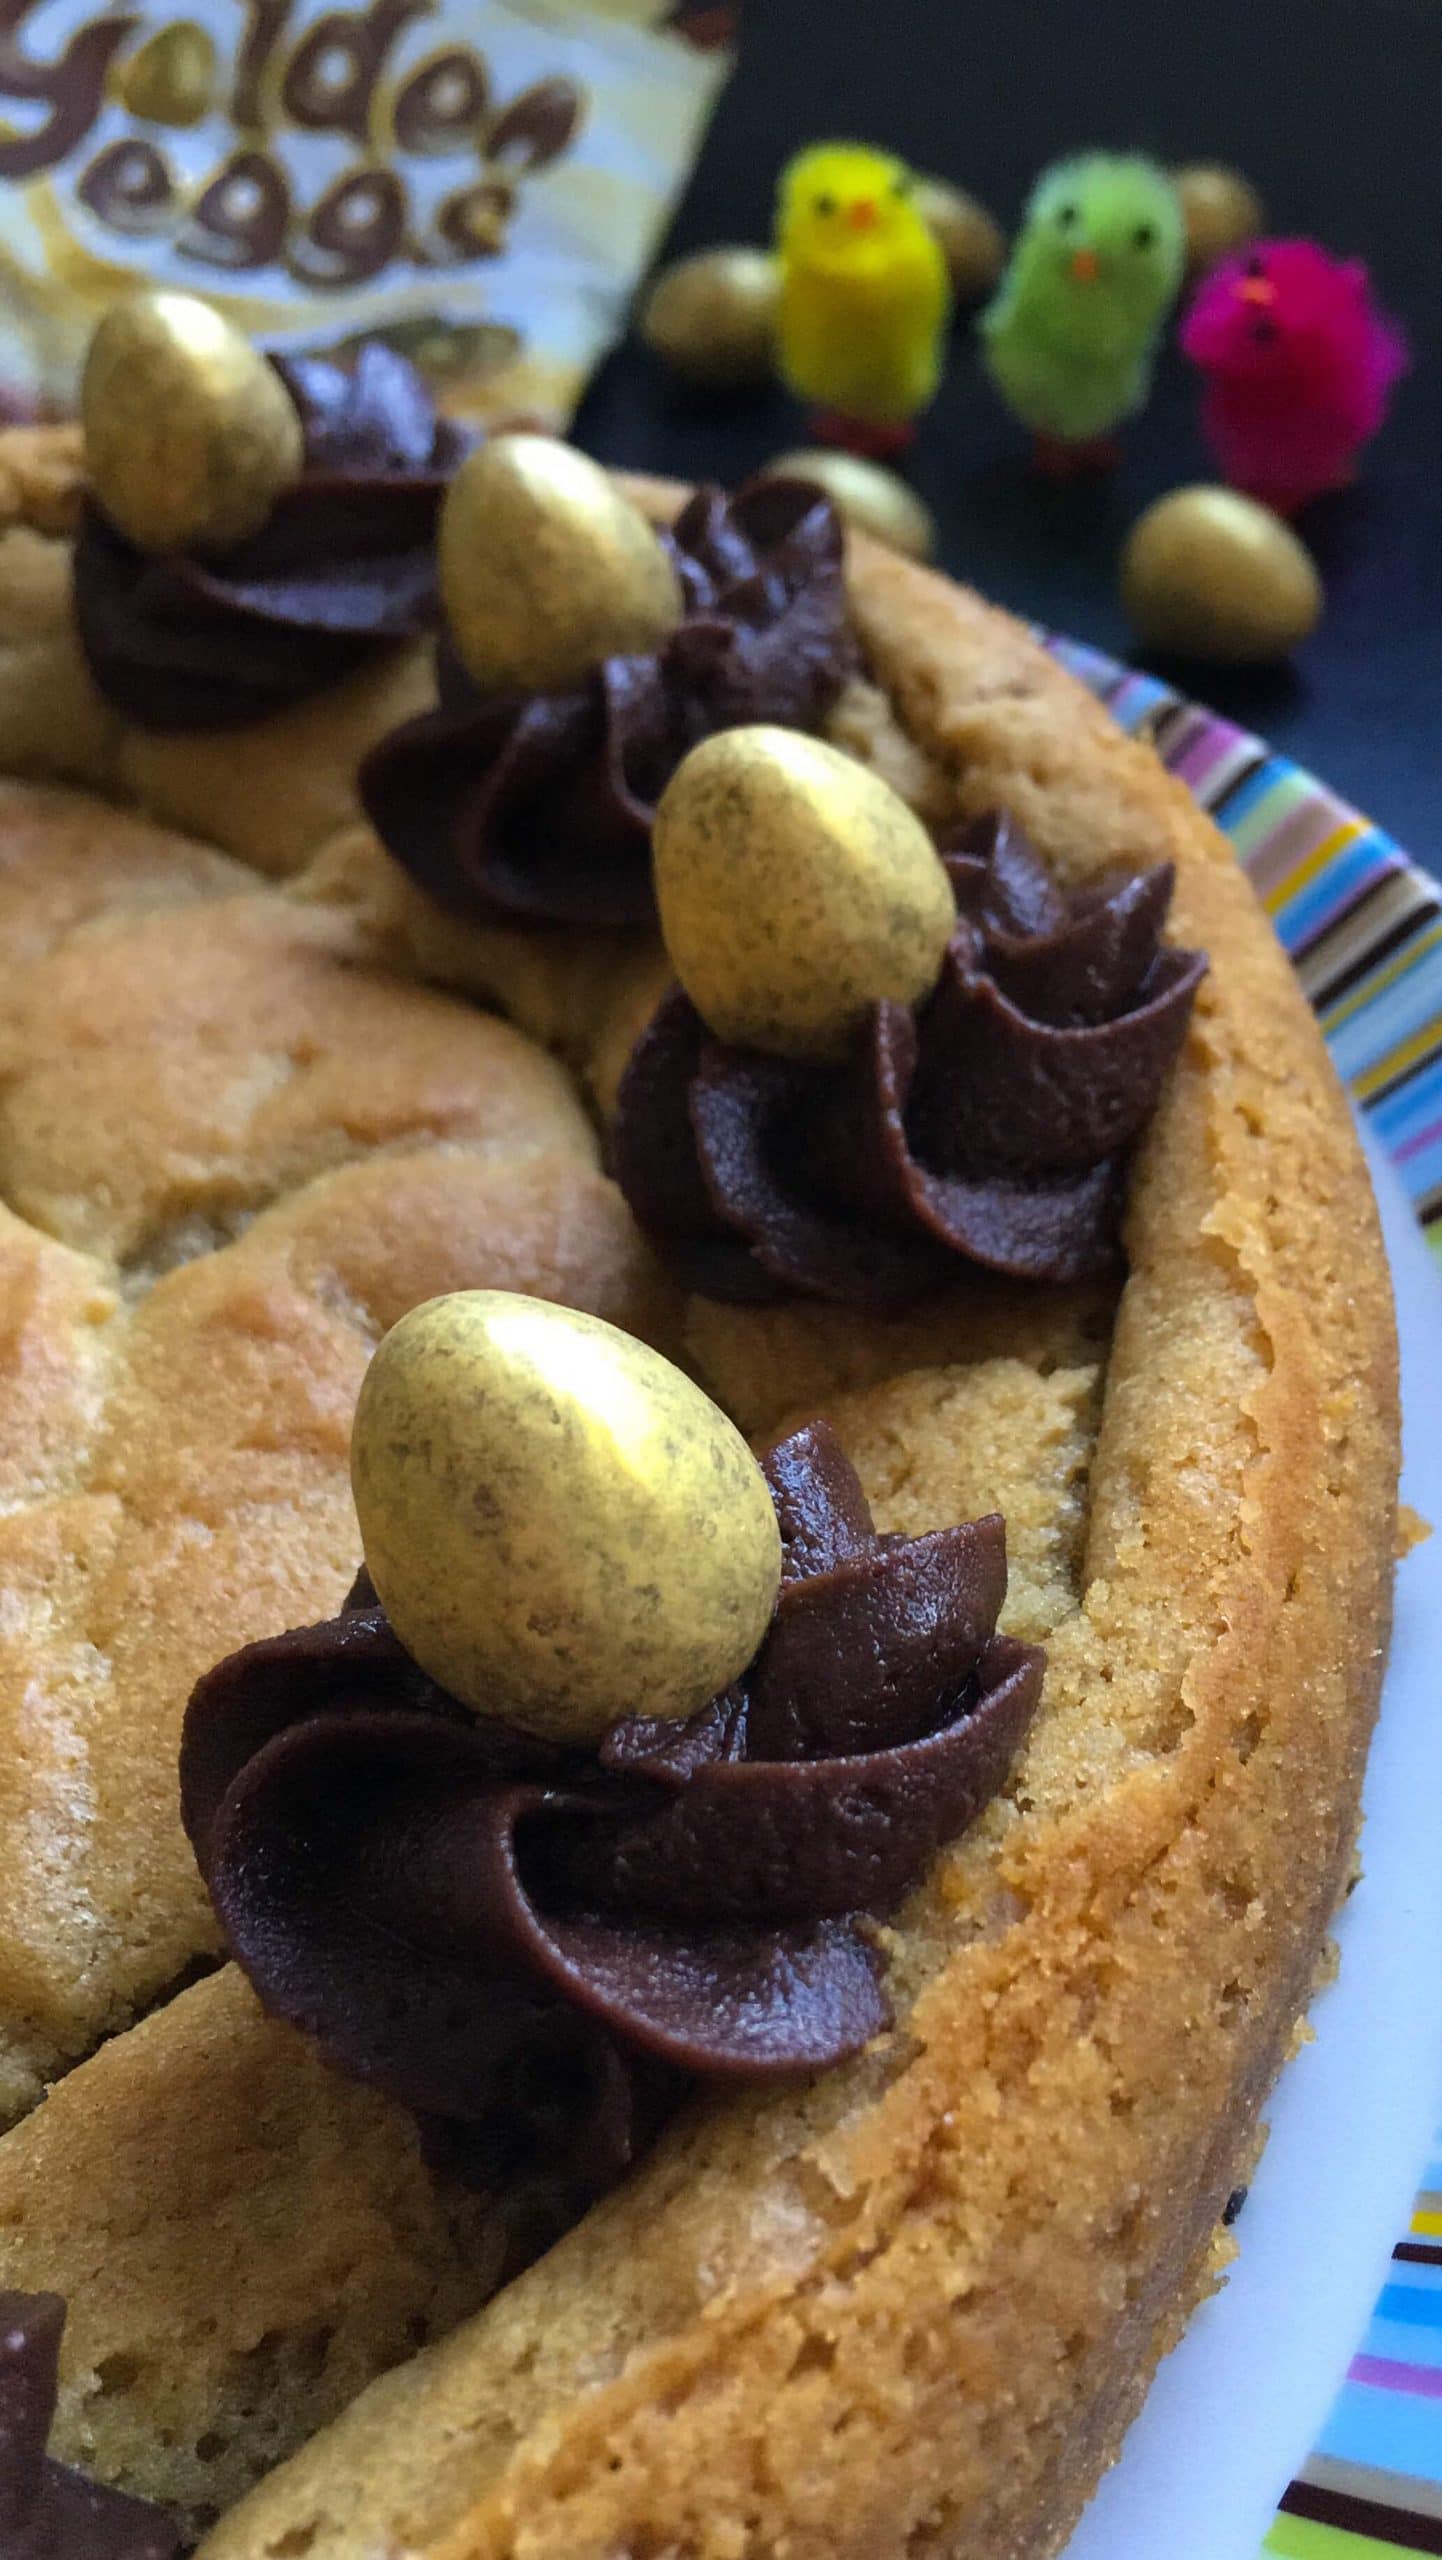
{"x": 1332, "y": 107}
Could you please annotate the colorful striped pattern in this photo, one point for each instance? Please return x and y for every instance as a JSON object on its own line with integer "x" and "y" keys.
{"x": 1364, "y": 927}
{"x": 1362, "y": 923}
{"x": 1372, "y": 2489}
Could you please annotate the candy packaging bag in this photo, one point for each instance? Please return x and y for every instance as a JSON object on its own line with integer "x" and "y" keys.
{"x": 479, "y": 182}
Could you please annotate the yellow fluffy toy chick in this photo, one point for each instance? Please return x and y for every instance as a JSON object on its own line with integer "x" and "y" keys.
{"x": 865, "y": 295}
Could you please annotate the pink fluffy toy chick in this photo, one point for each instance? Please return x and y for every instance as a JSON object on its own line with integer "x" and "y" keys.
{"x": 1300, "y": 360}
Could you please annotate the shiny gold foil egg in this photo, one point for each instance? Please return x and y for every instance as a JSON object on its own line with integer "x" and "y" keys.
{"x": 190, "y": 436}
{"x": 546, "y": 568}
{"x": 796, "y": 890}
{"x": 1208, "y": 573}
{"x": 972, "y": 241}
{"x": 712, "y": 317}
{"x": 563, "y": 1529}
{"x": 1221, "y": 211}
{"x": 864, "y": 495}
{"x": 170, "y": 79}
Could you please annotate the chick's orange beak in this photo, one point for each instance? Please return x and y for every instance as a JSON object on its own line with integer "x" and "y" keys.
{"x": 1085, "y": 266}
{"x": 862, "y": 214}
{"x": 1256, "y": 289}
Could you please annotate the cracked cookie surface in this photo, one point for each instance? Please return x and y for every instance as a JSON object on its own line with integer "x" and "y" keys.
{"x": 232, "y": 1152}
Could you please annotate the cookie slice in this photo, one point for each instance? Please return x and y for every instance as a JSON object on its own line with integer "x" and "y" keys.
{"x": 230, "y": 692}
{"x": 255, "y": 1151}
{"x": 301, "y": 2240}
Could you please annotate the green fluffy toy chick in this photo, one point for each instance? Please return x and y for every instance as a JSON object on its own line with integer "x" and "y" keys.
{"x": 1070, "y": 336}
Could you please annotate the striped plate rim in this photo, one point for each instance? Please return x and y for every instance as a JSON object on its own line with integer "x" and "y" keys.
{"x": 1362, "y": 923}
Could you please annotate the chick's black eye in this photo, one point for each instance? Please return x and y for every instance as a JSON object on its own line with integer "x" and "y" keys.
{"x": 826, "y": 204}
{"x": 1144, "y": 236}
{"x": 1255, "y": 266}
{"x": 901, "y": 186}
{"x": 1066, "y": 216}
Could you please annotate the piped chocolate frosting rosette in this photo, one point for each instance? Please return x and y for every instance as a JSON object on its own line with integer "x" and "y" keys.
{"x": 492, "y": 1886}
{"x": 48, "y": 2511}
{"x": 529, "y": 794}
{"x": 257, "y": 527}
{"x": 982, "y": 1112}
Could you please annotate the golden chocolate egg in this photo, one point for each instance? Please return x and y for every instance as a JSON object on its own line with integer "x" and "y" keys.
{"x": 169, "y": 79}
{"x": 190, "y": 436}
{"x": 796, "y": 890}
{"x": 563, "y": 1529}
{"x": 546, "y": 568}
{"x": 713, "y": 316}
{"x": 972, "y": 241}
{"x": 1221, "y": 211}
{"x": 865, "y": 495}
{"x": 1208, "y": 573}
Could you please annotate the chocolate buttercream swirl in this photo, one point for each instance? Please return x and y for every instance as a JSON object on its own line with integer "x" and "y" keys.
{"x": 539, "y": 808}
{"x": 543, "y": 1946}
{"x": 47, "y": 2511}
{"x": 991, "y": 1125}
{"x": 344, "y": 564}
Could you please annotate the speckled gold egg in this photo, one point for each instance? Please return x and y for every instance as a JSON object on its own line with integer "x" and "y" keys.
{"x": 170, "y": 79}
{"x": 865, "y": 495}
{"x": 712, "y": 317}
{"x": 563, "y": 1529}
{"x": 190, "y": 436}
{"x": 1221, "y": 211}
{"x": 796, "y": 890}
{"x": 546, "y": 568}
{"x": 973, "y": 242}
{"x": 1207, "y": 573}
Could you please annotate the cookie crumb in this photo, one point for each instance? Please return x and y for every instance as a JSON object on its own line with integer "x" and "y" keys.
{"x": 1412, "y": 1530}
